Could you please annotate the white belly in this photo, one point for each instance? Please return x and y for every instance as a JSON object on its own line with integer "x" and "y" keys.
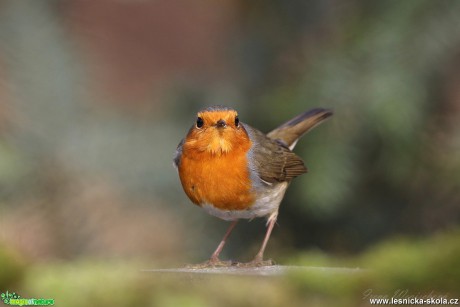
{"x": 267, "y": 203}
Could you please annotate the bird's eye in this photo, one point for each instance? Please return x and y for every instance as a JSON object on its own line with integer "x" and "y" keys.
{"x": 237, "y": 121}
{"x": 199, "y": 122}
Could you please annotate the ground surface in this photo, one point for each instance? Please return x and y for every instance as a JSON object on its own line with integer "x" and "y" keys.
{"x": 273, "y": 270}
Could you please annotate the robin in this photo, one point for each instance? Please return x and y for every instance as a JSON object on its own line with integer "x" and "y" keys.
{"x": 233, "y": 171}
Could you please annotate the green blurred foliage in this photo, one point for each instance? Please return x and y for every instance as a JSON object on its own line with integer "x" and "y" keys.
{"x": 388, "y": 161}
{"x": 401, "y": 267}
{"x": 425, "y": 265}
{"x": 13, "y": 268}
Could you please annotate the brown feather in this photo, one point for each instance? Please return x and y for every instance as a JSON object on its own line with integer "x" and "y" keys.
{"x": 273, "y": 161}
{"x": 292, "y": 130}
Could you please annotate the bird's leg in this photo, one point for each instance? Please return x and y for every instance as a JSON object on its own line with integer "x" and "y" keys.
{"x": 214, "y": 260}
{"x": 259, "y": 258}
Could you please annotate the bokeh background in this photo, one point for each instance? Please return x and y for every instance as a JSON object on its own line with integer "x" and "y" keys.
{"x": 96, "y": 95}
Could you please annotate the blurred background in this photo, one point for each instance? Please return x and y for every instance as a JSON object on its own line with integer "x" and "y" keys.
{"x": 96, "y": 95}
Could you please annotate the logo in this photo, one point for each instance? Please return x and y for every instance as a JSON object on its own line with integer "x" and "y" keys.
{"x": 14, "y": 299}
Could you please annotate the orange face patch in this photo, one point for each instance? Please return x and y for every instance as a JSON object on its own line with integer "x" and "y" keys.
{"x": 214, "y": 166}
{"x": 217, "y": 133}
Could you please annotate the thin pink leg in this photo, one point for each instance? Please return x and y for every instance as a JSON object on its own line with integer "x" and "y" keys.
{"x": 271, "y": 223}
{"x": 215, "y": 255}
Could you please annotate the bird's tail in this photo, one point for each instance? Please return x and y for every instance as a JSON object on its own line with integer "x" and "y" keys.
{"x": 290, "y": 132}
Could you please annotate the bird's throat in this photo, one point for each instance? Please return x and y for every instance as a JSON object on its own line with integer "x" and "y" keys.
{"x": 219, "y": 145}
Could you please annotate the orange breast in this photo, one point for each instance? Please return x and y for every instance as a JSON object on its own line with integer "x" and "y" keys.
{"x": 221, "y": 180}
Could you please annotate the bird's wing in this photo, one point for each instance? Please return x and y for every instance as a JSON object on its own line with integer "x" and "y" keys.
{"x": 272, "y": 160}
{"x": 178, "y": 154}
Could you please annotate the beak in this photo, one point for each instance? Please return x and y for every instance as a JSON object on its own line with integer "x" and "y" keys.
{"x": 221, "y": 123}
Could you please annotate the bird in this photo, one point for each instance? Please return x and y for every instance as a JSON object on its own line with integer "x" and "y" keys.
{"x": 234, "y": 171}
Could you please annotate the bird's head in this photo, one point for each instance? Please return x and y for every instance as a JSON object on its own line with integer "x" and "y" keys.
{"x": 217, "y": 130}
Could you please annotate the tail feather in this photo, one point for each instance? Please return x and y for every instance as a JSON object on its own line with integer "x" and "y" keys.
{"x": 292, "y": 130}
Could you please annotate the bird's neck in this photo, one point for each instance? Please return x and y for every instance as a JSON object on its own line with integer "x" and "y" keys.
{"x": 218, "y": 144}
